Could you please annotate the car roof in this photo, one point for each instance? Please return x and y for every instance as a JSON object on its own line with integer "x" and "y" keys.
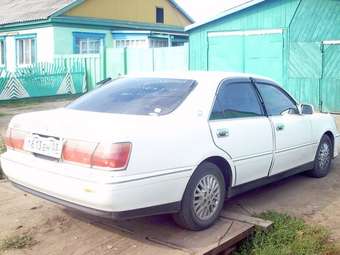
{"x": 199, "y": 76}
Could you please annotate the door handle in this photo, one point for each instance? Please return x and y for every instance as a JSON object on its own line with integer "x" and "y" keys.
{"x": 280, "y": 127}
{"x": 223, "y": 132}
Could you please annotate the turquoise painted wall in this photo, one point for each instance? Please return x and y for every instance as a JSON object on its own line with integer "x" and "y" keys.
{"x": 64, "y": 38}
{"x": 308, "y": 68}
{"x": 272, "y": 14}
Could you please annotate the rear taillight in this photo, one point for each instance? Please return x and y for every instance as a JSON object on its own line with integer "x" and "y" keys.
{"x": 78, "y": 151}
{"x": 114, "y": 156}
{"x": 8, "y": 142}
{"x": 104, "y": 156}
{"x": 15, "y": 139}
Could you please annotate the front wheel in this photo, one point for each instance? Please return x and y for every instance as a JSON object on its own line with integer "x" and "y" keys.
{"x": 203, "y": 198}
{"x": 323, "y": 158}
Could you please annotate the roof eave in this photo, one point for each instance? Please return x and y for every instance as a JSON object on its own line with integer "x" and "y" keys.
{"x": 224, "y": 14}
{"x": 24, "y": 25}
{"x": 66, "y": 8}
{"x": 181, "y": 10}
{"x": 114, "y": 24}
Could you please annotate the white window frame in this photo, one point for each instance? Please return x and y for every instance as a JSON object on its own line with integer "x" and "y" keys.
{"x": 88, "y": 43}
{"x": 28, "y": 56}
{"x": 131, "y": 43}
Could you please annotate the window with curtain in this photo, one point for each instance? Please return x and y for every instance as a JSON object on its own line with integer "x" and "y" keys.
{"x": 138, "y": 43}
{"x": 87, "y": 43}
{"x": 159, "y": 43}
{"x": 26, "y": 51}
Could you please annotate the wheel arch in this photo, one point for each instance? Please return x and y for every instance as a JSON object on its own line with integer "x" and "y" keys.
{"x": 332, "y": 137}
{"x": 224, "y": 166}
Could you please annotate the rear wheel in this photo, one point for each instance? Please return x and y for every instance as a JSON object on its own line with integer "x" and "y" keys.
{"x": 323, "y": 158}
{"x": 203, "y": 198}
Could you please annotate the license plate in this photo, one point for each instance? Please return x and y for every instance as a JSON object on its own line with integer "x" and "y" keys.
{"x": 47, "y": 146}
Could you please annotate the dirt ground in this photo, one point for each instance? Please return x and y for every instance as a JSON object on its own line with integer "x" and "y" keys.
{"x": 60, "y": 231}
{"x": 8, "y": 111}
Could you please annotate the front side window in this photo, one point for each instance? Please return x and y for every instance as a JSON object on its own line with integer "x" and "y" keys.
{"x": 277, "y": 101}
{"x": 236, "y": 100}
{"x": 26, "y": 51}
{"x": 87, "y": 43}
{"x": 136, "y": 96}
{"x": 2, "y": 52}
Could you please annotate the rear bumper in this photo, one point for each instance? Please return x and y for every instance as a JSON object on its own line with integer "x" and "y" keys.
{"x": 154, "y": 210}
{"x": 99, "y": 193}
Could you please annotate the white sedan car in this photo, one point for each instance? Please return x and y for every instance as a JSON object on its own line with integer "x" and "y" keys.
{"x": 168, "y": 143}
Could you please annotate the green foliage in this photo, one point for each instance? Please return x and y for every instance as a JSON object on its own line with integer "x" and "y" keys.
{"x": 288, "y": 236}
{"x": 17, "y": 242}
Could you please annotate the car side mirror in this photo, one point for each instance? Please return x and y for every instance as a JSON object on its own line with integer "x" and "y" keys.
{"x": 307, "y": 109}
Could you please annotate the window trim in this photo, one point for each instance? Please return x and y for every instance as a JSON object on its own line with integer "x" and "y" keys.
{"x": 3, "y": 39}
{"x": 275, "y": 85}
{"x": 87, "y": 35}
{"x": 22, "y": 37}
{"x": 233, "y": 80}
{"x": 160, "y": 8}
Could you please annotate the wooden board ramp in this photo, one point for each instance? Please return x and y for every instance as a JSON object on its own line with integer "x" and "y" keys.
{"x": 158, "y": 235}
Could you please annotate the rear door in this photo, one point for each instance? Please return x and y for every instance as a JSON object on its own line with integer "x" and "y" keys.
{"x": 240, "y": 128}
{"x": 293, "y": 131}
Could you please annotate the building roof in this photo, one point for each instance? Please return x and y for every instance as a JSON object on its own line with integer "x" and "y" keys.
{"x": 225, "y": 13}
{"x": 20, "y": 11}
{"x": 181, "y": 10}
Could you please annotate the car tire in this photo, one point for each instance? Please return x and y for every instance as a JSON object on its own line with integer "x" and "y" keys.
{"x": 323, "y": 158}
{"x": 203, "y": 198}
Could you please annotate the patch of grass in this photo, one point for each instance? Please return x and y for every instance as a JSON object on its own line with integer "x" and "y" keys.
{"x": 2, "y": 114}
{"x": 288, "y": 236}
{"x": 17, "y": 242}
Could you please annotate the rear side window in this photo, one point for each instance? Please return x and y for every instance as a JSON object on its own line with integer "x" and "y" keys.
{"x": 136, "y": 96}
{"x": 277, "y": 101}
{"x": 236, "y": 100}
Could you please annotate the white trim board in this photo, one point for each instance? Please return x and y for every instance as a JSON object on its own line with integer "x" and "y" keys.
{"x": 331, "y": 42}
{"x": 246, "y": 32}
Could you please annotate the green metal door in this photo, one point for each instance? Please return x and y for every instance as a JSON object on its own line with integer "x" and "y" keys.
{"x": 330, "y": 82}
{"x": 264, "y": 55}
{"x": 225, "y": 53}
{"x": 259, "y": 52}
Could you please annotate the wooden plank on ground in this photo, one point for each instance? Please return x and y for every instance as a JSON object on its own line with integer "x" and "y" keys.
{"x": 262, "y": 224}
{"x": 161, "y": 230}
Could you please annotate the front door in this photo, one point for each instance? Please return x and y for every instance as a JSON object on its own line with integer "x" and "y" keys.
{"x": 240, "y": 128}
{"x": 293, "y": 131}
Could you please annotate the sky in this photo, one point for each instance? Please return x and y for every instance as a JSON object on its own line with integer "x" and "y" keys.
{"x": 202, "y": 9}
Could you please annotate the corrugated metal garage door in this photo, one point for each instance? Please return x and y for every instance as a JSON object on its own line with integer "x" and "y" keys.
{"x": 256, "y": 51}
{"x": 330, "y": 83}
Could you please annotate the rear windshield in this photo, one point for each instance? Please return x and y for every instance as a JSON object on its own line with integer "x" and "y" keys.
{"x": 137, "y": 96}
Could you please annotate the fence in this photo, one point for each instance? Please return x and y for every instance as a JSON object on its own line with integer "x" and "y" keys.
{"x": 93, "y": 66}
{"x": 121, "y": 61}
{"x": 77, "y": 73}
{"x": 43, "y": 79}
{"x": 129, "y": 60}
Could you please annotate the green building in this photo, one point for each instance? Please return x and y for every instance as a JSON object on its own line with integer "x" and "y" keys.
{"x": 36, "y": 31}
{"x": 295, "y": 42}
